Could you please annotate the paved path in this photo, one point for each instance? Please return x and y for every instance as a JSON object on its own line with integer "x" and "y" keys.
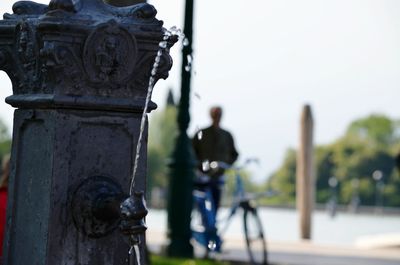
{"x": 300, "y": 253}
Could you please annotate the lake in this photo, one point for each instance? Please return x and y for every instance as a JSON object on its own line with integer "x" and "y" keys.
{"x": 282, "y": 225}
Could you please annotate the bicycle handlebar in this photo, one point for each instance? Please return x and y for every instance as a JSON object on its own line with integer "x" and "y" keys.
{"x": 224, "y": 165}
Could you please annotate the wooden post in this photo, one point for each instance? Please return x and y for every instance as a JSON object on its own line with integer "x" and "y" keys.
{"x": 305, "y": 173}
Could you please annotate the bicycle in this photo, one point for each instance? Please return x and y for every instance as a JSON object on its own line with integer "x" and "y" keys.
{"x": 204, "y": 222}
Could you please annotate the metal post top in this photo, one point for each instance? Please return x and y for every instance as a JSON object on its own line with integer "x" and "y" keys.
{"x": 81, "y": 54}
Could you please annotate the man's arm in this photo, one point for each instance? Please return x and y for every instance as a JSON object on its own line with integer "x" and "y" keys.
{"x": 233, "y": 152}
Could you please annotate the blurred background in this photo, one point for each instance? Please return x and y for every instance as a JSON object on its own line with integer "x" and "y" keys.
{"x": 262, "y": 61}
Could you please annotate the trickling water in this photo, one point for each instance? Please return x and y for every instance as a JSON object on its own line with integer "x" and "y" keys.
{"x": 131, "y": 261}
{"x": 200, "y": 135}
{"x": 137, "y": 253}
{"x": 134, "y": 252}
{"x": 163, "y": 44}
{"x": 185, "y": 42}
{"x": 188, "y": 67}
{"x": 189, "y": 59}
{"x": 174, "y": 31}
{"x": 130, "y": 250}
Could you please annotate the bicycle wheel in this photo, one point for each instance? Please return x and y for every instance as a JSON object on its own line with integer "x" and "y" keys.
{"x": 255, "y": 241}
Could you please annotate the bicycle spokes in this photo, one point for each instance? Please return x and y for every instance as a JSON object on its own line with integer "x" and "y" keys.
{"x": 255, "y": 241}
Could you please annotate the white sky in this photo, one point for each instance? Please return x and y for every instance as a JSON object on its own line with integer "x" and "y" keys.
{"x": 263, "y": 59}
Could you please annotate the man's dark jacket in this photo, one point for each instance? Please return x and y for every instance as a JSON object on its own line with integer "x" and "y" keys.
{"x": 216, "y": 144}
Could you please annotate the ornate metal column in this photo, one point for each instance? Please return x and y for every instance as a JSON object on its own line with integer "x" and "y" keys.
{"x": 80, "y": 71}
{"x": 183, "y": 160}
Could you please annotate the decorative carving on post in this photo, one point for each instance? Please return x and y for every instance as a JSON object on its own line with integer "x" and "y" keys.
{"x": 80, "y": 48}
{"x": 106, "y": 63}
{"x": 80, "y": 71}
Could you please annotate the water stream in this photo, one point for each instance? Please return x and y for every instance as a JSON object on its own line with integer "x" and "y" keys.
{"x": 173, "y": 31}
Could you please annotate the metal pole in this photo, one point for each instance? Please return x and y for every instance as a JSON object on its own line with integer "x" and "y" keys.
{"x": 181, "y": 175}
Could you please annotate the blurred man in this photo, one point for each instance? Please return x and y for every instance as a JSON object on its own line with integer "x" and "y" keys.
{"x": 214, "y": 144}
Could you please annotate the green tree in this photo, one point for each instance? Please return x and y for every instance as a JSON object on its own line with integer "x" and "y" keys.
{"x": 5, "y": 141}
{"x": 356, "y": 159}
{"x": 376, "y": 129}
{"x": 284, "y": 180}
{"x": 4, "y": 134}
{"x": 324, "y": 170}
{"x": 162, "y": 135}
{"x": 230, "y": 184}
{"x": 369, "y": 144}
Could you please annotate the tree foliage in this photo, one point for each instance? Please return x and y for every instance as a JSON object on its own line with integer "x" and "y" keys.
{"x": 284, "y": 180}
{"x": 376, "y": 129}
{"x": 5, "y": 141}
{"x": 162, "y": 134}
{"x": 369, "y": 144}
{"x": 4, "y": 134}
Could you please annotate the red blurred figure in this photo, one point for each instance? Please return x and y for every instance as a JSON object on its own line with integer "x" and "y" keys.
{"x": 3, "y": 198}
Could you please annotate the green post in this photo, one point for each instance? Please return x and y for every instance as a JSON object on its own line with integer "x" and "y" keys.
{"x": 183, "y": 162}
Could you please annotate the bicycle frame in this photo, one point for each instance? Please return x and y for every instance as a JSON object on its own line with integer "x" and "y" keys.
{"x": 238, "y": 196}
{"x": 207, "y": 234}
{"x": 205, "y": 205}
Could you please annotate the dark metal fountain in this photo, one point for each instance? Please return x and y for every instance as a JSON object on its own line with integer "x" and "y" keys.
{"x": 80, "y": 71}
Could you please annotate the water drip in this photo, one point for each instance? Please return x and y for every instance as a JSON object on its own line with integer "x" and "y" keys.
{"x": 188, "y": 67}
{"x": 130, "y": 250}
{"x": 163, "y": 44}
{"x": 200, "y": 135}
{"x": 137, "y": 253}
